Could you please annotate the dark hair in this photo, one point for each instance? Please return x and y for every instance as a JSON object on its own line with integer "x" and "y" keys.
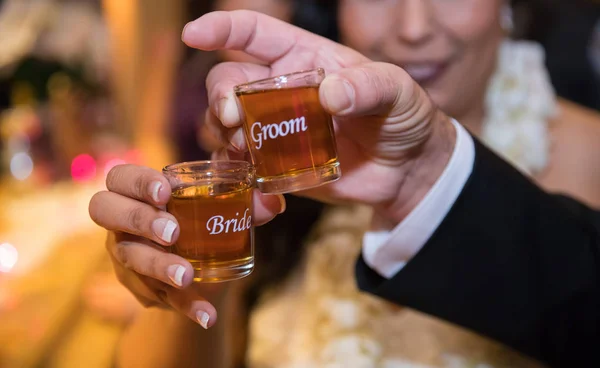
{"x": 317, "y": 16}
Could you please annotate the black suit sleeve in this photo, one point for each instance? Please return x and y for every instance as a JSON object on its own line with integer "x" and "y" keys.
{"x": 511, "y": 262}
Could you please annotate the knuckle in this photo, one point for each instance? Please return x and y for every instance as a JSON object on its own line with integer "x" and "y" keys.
{"x": 135, "y": 220}
{"x": 379, "y": 86}
{"x": 122, "y": 255}
{"x": 152, "y": 268}
{"x": 139, "y": 186}
{"x": 114, "y": 176}
{"x": 383, "y": 84}
{"x": 361, "y": 76}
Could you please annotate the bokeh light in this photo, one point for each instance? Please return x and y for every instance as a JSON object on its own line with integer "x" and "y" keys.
{"x": 21, "y": 166}
{"x": 19, "y": 143}
{"x": 133, "y": 156}
{"x": 8, "y": 257}
{"x": 83, "y": 168}
{"x": 112, "y": 163}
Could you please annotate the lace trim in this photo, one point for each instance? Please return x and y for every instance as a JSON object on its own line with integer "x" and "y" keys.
{"x": 520, "y": 101}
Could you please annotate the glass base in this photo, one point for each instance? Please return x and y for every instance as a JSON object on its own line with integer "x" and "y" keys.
{"x": 211, "y": 273}
{"x": 300, "y": 180}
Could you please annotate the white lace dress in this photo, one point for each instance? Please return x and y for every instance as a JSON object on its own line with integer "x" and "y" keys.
{"x": 318, "y": 318}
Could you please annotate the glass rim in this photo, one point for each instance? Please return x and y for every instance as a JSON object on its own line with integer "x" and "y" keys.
{"x": 249, "y": 85}
{"x": 211, "y": 165}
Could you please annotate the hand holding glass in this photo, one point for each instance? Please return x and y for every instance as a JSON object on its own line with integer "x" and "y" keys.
{"x": 212, "y": 201}
{"x": 289, "y": 134}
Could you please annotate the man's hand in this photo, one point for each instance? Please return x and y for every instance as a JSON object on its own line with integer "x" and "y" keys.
{"x": 393, "y": 142}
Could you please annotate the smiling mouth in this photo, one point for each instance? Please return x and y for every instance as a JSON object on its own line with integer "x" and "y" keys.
{"x": 425, "y": 73}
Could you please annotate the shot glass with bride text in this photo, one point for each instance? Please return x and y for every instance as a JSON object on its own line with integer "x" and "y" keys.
{"x": 212, "y": 201}
{"x": 290, "y": 136}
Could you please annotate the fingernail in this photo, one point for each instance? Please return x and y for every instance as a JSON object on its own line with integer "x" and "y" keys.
{"x": 155, "y": 188}
{"x": 175, "y": 273}
{"x": 164, "y": 229}
{"x": 282, "y": 203}
{"x": 338, "y": 94}
{"x": 237, "y": 139}
{"x": 228, "y": 111}
{"x": 203, "y": 319}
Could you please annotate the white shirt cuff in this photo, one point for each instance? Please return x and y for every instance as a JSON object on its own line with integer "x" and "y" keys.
{"x": 387, "y": 252}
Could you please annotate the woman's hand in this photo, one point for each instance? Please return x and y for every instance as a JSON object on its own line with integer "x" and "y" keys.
{"x": 140, "y": 232}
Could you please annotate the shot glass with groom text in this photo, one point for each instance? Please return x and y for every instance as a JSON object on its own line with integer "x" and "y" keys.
{"x": 290, "y": 136}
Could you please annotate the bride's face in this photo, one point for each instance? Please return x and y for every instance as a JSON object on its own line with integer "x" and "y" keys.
{"x": 448, "y": 46}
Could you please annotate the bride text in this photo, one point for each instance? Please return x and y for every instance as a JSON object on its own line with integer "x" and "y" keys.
{"x": 217, "y": 224}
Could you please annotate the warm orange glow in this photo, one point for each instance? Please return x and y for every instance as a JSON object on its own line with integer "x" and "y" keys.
{"x": 8, "y": 257}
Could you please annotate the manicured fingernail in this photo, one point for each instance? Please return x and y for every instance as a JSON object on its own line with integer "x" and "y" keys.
{"x": 164, "y": 229}
{"x": 175, "y": 273}
{"x": 338, "y": 94}
{"x": 282, "y": 203}
{"x": 203, "y": 319}
{"x": 228, "y": 111}
{"x": 155, "y": 188}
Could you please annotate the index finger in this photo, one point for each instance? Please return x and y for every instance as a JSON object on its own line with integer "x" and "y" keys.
{"x": 139, "y": 182}
{"x": 220, "y": 82}
{"x": 268, "y": 39}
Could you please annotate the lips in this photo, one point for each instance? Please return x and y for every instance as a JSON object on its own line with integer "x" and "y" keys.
{"x": 425, "y": 73}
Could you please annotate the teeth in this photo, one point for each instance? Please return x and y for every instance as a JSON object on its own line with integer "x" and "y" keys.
{"x": 420, "y": 72}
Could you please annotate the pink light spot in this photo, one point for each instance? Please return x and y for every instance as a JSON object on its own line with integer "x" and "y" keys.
{"x": 112, "y": 163}
{"x": 83, "y": 168}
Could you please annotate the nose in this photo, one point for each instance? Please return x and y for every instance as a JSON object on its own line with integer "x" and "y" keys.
{"x": 415, "y": 21}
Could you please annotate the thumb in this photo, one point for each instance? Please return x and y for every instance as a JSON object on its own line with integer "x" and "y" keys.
{"x": 380, "y": 89}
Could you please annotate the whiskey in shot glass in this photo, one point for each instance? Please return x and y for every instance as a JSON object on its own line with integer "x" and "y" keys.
{"x": 212, "y": 201}
{"x": 290, "y": 136}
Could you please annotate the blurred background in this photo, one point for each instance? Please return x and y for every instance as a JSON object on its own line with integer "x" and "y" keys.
{"x": 89, "y": 84}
